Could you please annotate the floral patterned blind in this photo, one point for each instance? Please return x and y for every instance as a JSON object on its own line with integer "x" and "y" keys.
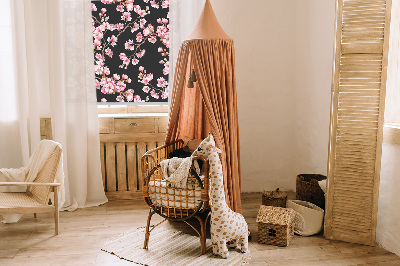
{"x": 131, "y": 50}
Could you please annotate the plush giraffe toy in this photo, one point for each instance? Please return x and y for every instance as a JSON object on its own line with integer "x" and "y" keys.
{"x": 226, "y": 225}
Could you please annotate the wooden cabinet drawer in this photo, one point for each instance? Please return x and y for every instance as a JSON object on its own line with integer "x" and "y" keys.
{"x": 134, "y": 125}
{"x": 162, "y": 124}
{"x": 106, "y": 125}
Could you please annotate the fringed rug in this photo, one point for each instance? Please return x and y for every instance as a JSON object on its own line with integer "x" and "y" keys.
{"x": 168, "y": 247}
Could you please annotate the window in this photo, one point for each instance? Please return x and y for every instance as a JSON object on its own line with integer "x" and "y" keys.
{"x": 131, "y": 50}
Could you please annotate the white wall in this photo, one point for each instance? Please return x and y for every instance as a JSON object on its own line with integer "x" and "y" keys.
{"x": 314, "y": 60}
{"x": 284, "y": 52}
{"x": 388, "y": 227}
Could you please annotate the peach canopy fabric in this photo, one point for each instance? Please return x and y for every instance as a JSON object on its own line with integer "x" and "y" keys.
{"x": 211, "y": 106}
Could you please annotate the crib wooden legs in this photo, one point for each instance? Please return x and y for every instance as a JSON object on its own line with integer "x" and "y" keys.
{"x": 147, "y": 235}
{"x": 203, "y": 231}
{"x": 203, "y": 237}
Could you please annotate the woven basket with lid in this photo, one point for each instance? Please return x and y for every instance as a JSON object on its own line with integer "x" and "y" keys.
{"x": 274, "y": 198}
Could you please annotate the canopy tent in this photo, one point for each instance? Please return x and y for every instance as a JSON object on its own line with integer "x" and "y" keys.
{"x": 204, "y": 97}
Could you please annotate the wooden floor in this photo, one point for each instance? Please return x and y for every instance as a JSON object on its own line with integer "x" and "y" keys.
{"x": 82, "y": 233}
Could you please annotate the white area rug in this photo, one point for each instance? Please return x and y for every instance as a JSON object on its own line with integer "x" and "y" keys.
{"x": 168, "y": 247}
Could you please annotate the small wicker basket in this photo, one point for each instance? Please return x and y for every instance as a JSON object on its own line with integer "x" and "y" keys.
{"x": 308, "y": 189}
{"x": 274, "y": 198}
{"x": 275, "y": 225}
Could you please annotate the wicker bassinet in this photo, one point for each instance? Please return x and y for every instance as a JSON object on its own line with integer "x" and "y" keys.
{"x": 170, "y": 202}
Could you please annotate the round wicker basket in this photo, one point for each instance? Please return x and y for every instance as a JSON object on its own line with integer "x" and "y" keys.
{"x": 308, "y": 189}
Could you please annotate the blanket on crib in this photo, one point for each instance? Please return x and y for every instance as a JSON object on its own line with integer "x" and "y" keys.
{"x": 176, "y": 170}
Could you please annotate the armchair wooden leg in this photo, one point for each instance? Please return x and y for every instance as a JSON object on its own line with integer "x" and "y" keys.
{"x": 147, "y": 235}
{"x": 56, "y": 212}
{"x": 34, "y": 215}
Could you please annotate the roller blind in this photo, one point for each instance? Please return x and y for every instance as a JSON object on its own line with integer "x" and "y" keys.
{"x": 358, "y": 97}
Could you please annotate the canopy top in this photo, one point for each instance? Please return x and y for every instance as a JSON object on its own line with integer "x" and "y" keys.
{"x": 207, "y": 26}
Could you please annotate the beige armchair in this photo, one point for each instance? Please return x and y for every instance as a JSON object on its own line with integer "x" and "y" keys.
{"x": 36, "y": 197}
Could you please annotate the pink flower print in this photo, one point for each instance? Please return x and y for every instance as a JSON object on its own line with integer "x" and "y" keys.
{"x": 161, "y": 82}
{"x": 164, "y": 95}
{"x": 99, "y": 35}
{"x": 126, "y": 16}
{"x": 106, "y": 71}
{"x": 165, "y": 4}
{"x": 135, "y": 61}
{"x": 119, "y": 26}
{"x": 152, "y": 39}
{"x": 97, "y": 84}
{"x": 147, "y": 79}
{"x": 146, "y": 31}
{"x": 135, "y": 27}
{"x": 129, "y": 45}
{"x": 113, "y": 40}
{"x": 116, "y": 76}
{"x": 142, "y": 22}
{"x": 103, "y": 100}
{"x": 94, "y": 8}
{"x": 103, "y": 10}
{"x": 154, "y": 4}
{"x": 165, "y": 70}
{"x": 164, "y": 20}
{"x": 107, "y": 1}
{"x": 139, "y": 37}
{"x": 136, "y": 8}
{"x": 128, "y": 80}
{"x": 98, "y": 70}
{"x": 154, "y": 94}
{"x": 129, "y": 7}
{"x": 126, "y": 61}
{"x": 120, "y": 86}
{"x": 141, "y": 53}
{"x": 160, "y": 49}
{"x": 146, "y": 89}
{"x": 120, "y": 8}
{"x": 99, "y": 57}
{"x": 109, "y": 52}
{"x": 124, "y": 76}
{"x": 142, "y": 13}
{"x": 129, "y": 95}
{"x": 107, "y": 25}
{"x": 141, "y": 68}
{"x": 136, "y": 98}
{"x": 97, "y": 44}
{"x": 120, "y": 98}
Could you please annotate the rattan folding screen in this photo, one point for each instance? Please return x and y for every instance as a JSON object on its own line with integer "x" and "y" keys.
{"x": 358, "y": 96}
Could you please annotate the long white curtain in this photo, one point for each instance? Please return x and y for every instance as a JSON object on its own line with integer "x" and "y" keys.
{"x": 183, "y": 17}
{"x": 55, "y": 78}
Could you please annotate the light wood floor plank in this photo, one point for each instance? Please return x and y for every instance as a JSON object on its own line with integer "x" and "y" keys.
{"x": 82, "y": 234}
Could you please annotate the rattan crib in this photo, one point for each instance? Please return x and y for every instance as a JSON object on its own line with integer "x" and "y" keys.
{"x": 170, "y": 202}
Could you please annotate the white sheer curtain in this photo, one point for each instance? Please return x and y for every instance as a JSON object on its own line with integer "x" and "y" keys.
{"x": 183, "y": 17}
{"x": 10, "y": 147}
{"x": 55, "y": 78}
